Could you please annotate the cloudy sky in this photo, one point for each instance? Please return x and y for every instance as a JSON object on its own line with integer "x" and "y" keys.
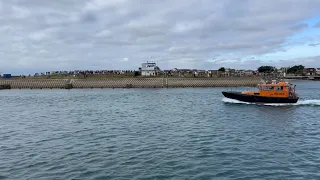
{"x": 45, "y": 35}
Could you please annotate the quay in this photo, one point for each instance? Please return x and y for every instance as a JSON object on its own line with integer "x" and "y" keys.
{"x": 129, "y": 83}
{"x": 312, "y": 78}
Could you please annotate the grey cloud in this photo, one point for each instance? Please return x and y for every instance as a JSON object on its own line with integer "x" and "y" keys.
{"x": 317, "y": 25}
{"x": 254, "y": 63}
{"x": 88, "y": 17}
{"x": 44, "y": 35}
{"x": 314, "y": 44}
{"x": 307, "y": 61}
{"x": 299, "y": 27}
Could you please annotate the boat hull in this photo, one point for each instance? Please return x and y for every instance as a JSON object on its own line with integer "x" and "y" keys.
{"x": 258, "y": 99}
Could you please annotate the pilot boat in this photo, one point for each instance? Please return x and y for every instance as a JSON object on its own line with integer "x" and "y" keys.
{"x": 281, "y": 92}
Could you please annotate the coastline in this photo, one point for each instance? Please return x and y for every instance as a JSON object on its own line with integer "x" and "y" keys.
{"x": 133, "y": 82}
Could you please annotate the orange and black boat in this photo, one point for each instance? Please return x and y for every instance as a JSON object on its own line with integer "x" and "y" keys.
{"x": 281, "y": 92}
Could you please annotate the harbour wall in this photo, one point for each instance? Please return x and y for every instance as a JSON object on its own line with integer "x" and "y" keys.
{"x": 129, "y": 83}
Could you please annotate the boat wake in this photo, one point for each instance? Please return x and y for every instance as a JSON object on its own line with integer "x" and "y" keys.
{"x": 315, "y": 102}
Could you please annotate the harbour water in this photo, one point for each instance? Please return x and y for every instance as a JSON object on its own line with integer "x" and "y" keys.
{"x": 191, "y": 133}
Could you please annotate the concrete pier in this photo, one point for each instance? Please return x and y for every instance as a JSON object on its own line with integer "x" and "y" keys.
{"x": 129, "y": 83}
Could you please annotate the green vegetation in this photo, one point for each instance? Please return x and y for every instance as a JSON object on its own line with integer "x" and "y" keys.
{"x": 266, "y": 69}
{"x": 298, "y": 69}
{"x": 222, "y": 69}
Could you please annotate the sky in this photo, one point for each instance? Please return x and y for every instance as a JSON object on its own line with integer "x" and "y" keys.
{"x": 40, "y": 35}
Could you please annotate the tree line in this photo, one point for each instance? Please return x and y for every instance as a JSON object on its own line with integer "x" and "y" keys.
{"x": 297, "y": 69}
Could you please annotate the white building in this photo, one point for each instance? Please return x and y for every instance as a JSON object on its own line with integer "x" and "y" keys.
{"x": 149, "y": 69}
{"x": 283, "y": 71}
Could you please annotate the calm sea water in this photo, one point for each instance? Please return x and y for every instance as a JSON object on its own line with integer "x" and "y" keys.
{"x": 156, "y": 134}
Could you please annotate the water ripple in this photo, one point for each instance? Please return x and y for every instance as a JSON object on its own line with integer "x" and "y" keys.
{"x": 155, "y": 134}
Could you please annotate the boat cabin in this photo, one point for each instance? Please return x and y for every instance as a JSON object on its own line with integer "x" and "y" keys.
{"x": 281, "y": 89}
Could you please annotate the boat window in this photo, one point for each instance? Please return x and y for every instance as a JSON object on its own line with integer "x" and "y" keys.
{"x": 279, "y": 88}
{"x": 267, "y": 88}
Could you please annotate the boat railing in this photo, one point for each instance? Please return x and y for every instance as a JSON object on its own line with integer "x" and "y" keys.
{"x": 292, "y": 91}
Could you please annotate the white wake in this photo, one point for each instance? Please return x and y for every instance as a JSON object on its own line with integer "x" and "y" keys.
{"x": 314, "y": 102}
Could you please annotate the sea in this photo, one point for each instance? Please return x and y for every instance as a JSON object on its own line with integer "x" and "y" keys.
{"x": 179, "y": 133}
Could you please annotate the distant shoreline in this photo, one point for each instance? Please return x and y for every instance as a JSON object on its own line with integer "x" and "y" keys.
{"x": 303, "y": 78}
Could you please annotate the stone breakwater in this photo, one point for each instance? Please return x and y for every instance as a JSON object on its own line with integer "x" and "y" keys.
{"x": 128, "y": 83}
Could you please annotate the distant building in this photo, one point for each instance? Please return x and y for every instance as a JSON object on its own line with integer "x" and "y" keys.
{"x": 283, "y": 71}
{"x": 212, "y": 73}
{"x": 149, "y": 69}
{"x": 6, "y": 76}
{"x": 310, "y": 71}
